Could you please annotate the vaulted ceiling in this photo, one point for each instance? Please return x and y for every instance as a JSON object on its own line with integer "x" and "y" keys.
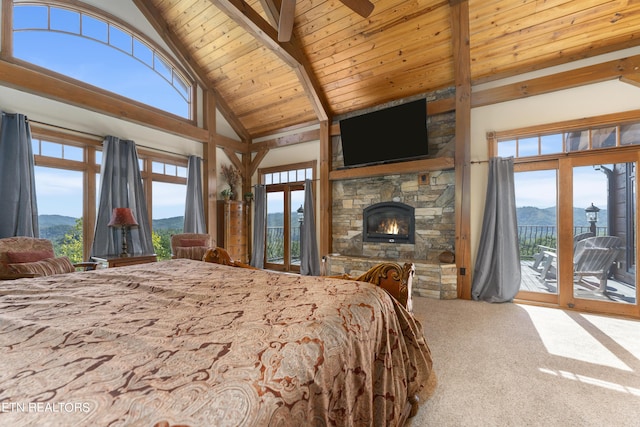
{"x": 338, "y": 62}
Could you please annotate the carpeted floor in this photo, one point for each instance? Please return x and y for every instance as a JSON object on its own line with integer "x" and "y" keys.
{"x": 521, "y": 365}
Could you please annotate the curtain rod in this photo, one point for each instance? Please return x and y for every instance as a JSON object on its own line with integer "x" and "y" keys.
{"x": 101, "y": 137}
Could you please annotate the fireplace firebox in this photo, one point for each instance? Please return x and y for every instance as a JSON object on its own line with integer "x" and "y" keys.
{"x": 391, "y": 222}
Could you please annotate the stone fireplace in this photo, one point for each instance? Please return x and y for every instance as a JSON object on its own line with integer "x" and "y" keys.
{"x": 391, "y": 222}
{"x": 428, "y": 197}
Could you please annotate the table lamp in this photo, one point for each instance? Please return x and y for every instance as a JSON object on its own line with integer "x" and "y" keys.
{"x": 123, "y": 218}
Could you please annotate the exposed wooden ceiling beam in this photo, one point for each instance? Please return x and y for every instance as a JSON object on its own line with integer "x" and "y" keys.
{"x": 272, "y": 10}
{"x": 618, "y": 68}
{"x": 632, "y": 79}
{"x": 288, "y": 52}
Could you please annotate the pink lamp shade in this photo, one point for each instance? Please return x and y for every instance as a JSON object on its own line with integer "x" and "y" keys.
{"x": 122, "y": 217}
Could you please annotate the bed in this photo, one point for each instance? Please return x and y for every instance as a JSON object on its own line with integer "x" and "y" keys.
{"x": 185, "y": 342}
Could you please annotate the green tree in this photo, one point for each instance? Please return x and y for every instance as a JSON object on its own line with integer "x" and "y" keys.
{"x": 162, "y": 243}
{"x": 70, "y": 245}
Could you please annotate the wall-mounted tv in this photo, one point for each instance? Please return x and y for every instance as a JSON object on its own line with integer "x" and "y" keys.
{"x": 389, "y": 135}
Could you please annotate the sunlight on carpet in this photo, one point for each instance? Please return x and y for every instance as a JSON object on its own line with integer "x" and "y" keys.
{"x": 553, "y": 326}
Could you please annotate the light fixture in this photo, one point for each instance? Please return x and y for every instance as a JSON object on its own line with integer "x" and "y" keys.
{"x": 123, "y": 218}
{"x": 592, "y": 217}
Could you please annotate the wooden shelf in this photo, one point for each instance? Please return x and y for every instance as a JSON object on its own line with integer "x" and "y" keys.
{"x": 426, "y": 165}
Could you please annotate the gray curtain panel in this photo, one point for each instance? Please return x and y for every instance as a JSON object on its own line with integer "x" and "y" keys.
{"x": 19, "y": 213}
{"x": 309, "y": 258}
{"x": 121, "y": 187}
{"x": 194, "y": 206}
{"x": 259, "y": 226}
{"x": 497, "y": 270}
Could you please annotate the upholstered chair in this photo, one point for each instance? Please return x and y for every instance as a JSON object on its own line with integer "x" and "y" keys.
{"x": 190, "y": 245}
{"x": 31, "y": 257}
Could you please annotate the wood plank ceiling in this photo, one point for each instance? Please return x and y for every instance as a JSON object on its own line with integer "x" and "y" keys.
{"x": 338, "y": 62}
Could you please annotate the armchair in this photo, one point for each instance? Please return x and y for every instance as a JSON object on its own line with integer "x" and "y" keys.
{"x": 31, "y": 257}
{"x": 190, "y": 245}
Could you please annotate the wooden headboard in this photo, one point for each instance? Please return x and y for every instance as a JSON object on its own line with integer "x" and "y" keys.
{"x": 394, "y": 278}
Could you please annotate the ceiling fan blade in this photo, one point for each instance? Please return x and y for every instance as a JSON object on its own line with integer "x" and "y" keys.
{"x": 361, "y": 7}
{"x": 285, "y": 22}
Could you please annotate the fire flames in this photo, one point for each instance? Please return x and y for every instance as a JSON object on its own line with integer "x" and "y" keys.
{"x": 389, "y": 226}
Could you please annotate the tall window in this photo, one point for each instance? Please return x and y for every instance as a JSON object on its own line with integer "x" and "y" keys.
{"x": 99, "y": 51}
{"x": 68, "y": 191}
{"x": 59, "y": 175}
{"x": 169, "y": 192}
{"x": 285, "y": 213}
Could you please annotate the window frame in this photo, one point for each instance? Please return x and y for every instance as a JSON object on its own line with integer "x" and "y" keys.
{"x": 7, "y": 54}
{"x": 286, "y": 188}
{"x": 91, "y": 169}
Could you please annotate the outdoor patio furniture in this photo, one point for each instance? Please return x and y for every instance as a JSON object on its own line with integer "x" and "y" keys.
{"x": 592, "y": 257}
{"x": 545, "y": 252}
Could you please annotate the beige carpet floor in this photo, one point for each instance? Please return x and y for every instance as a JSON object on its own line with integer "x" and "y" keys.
{"x": 521, "y": 365}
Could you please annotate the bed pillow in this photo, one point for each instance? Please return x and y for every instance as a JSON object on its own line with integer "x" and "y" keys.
{"x": 192, "y": 242}
{"x": 45, "y": 267}
{"x": 29, "y": 256}
{"x": 191, "y": 252}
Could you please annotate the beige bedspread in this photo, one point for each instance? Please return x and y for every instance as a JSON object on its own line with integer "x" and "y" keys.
{"x": 199, "y": 344}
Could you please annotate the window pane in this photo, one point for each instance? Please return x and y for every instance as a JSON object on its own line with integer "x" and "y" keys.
{"x": 162, "y": 68}
{"x": 267, "y": 179}
{"x": 309, "y": 173}
{"x": 95, "y": 29}
{"x": 59, "y": 194}
{"x": 73, "y": 153}
{"x": 168, "y": 215}
{"x": 182, "y": 172}
{"x": 604, "y": 137}
{"x": 551, "y": 144}
{"x": 630, "y": 134}
{"x": 274, "y": 250}
{"x": 65, "y": 20}
{"x": 120, "y": 40}
{"x": 536, "y": 212}
{"x": 157, "y": 167}
{"x": 577, "y": 141}
{"x": 30, "y": 17}
{"x": 297, "y": 217}
{"x": 51, "y": 149}
{"x": 143, "y": 53}
{"x": 170, "y": 169}
{"x": 507, "y": 149}
{"x": 98, "y": 157}
{"x": 527, "y": 147}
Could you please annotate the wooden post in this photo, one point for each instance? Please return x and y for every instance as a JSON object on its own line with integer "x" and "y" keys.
{"x": 462, "y": 67}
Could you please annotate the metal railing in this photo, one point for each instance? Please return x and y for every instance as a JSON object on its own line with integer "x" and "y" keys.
{"x": 531, "y": 236}
{"x": 275, "y": 245}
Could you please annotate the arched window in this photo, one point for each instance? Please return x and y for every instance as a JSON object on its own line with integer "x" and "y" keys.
{"x": 100, "y": 52}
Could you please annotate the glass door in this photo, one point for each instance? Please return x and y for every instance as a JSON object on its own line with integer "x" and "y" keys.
{"x": 600, "y": 244}
{"x": 536, "y": 206}
{"x": 285, "y": 214}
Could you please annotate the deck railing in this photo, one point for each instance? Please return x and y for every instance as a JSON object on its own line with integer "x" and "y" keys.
{"x": 275, "y": 245}
{"x": 531, "y": 236}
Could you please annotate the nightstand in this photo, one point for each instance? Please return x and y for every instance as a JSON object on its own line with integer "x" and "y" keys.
{"x": 120, "y": 261}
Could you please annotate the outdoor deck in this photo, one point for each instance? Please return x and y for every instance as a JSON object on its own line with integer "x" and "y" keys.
{"x": 616, "y": 291}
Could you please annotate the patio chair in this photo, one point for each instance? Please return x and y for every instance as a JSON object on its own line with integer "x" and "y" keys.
{"x": 593, "y": 257}
{"x": 543, "y": 259}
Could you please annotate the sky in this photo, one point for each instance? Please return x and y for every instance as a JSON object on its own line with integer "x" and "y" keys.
{"x": 95, "y": 62}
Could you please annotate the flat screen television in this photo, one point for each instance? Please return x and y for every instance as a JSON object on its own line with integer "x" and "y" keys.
{"x": 390, "y": 135}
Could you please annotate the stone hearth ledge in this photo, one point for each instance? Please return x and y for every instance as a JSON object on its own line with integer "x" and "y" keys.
{"x": 431, "y": 280}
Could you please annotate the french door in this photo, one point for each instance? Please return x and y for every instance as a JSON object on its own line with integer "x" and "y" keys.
{"x": 577, "y": 228}
{"x": 284, "y": 218}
